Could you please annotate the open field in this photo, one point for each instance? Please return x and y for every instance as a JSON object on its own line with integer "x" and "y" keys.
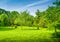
{"x": 27, "y": 34}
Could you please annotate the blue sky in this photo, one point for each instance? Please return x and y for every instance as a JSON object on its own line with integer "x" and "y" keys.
{"x": 21, "y": 5}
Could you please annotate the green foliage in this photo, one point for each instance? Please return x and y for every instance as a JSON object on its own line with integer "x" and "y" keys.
{"x": 2, "y": 11}
{"x": 57, "y": 3}
{"x": 27, "y": 19}
{"x": 48, "y": 18}
{"x": 4, "y": 20}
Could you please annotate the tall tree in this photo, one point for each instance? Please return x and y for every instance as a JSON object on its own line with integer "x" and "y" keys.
{"x": 57, "y": 3}
{"x": 4, "y": 20}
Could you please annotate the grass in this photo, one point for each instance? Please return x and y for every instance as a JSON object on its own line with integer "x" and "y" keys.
{"x": 27, "y": 34}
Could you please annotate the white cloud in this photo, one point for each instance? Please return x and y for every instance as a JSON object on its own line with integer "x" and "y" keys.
{"x": 29, "y": 7}
{"x": 32, "y": 4}
{"x": 39, "y": 2}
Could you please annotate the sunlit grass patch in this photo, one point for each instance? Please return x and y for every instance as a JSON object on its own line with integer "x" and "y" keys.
{"x": 19, "y": 35}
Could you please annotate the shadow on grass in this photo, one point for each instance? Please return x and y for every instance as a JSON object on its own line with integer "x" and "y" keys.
{"x": 6, "y": 29}
{"x": 30, "y": 29}
{"x": 28, "y": 40}
{"x": 56, "y": 35}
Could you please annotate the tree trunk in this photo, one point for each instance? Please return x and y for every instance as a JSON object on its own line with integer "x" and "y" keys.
{"x": 38, "y": 28}
{"x": 55, "y": 32}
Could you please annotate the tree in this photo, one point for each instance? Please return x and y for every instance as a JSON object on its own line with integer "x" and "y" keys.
{"x": 27, "y": 18}
{"x": 14, "y": 15}
{"x": 4, "y": 20}
{"x": 57, "y": 3}
{"x": 38, "y": 15}
{"x": 40, "y": 19}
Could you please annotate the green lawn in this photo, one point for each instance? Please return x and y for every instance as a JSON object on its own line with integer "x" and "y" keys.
{"x": 26, "y": 34}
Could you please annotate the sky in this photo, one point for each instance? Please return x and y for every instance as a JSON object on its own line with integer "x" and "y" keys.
{"x": 22, "y": 5}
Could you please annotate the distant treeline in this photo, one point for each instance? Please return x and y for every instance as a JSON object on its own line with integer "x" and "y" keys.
{"x": 48, "y": 18}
